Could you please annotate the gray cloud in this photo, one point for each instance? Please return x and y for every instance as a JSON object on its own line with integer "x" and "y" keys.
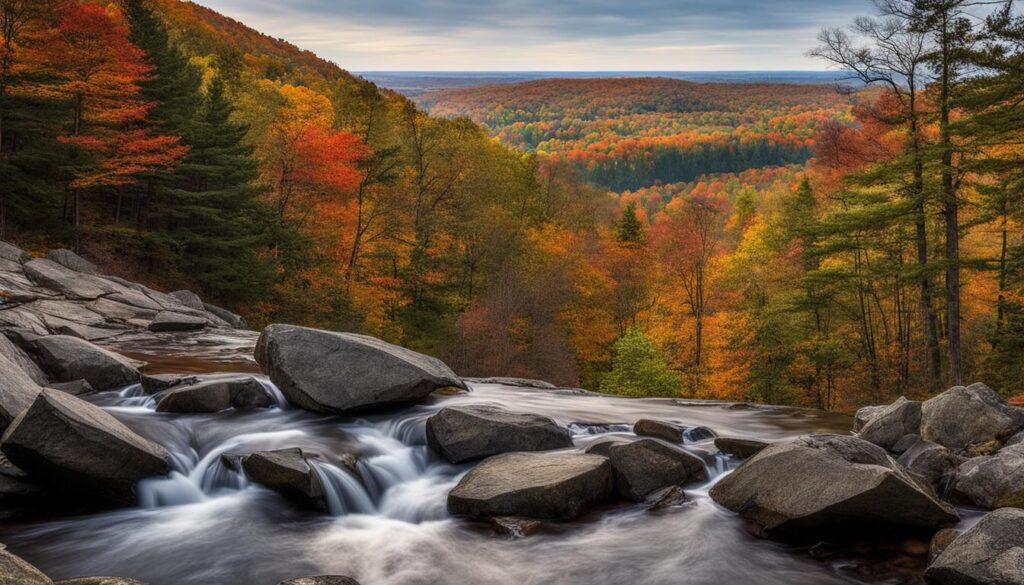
{"x": 439, "y": 33}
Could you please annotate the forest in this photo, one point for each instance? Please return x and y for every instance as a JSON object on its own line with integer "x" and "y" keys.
{"x": 805, "y": 245}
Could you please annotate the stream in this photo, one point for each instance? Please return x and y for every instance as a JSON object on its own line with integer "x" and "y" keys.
{"x": 207, "y": 525}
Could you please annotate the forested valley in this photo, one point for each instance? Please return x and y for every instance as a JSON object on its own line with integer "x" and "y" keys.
{"x": 806, "y": 245}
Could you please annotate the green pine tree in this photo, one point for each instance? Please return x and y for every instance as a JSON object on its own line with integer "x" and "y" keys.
{"x": 639, "y": 368}
{"x": 630, "y": 230}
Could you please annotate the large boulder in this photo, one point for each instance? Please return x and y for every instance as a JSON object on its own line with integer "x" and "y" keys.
{"x": 466, "y": 433}
{"x": 325, "y": 371}
{"x": 892, "y": 423}
{"x": 74, "y": 445}
{"x": 287, "y": 472}
{"x": 960, "y": 417}
{"x": 667, "y": 431}
{"x": 990, "y": 553}
{"x": 172, "y": 321}
{"x": 647, "y": 465}
{"x": 929, "y": 461}
{"x": 241, "y": 392}
{"x": 994, "y": 481}
{"x": 68, "y": 358}
{"x": 533, "y": 485}
{"x": 15, "y": 571}
{"x": 321, "y": 580}
{"x": 825, "y": 483}
{"x": 742, "y": 448}
{"x": 17, "y": 392}
{"x": 232, "y": 319}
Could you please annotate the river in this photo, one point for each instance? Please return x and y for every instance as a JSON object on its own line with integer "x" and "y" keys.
{"x": 206, "y": 525}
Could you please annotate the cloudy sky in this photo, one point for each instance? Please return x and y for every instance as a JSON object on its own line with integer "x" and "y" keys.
{"x": 479, "y": 35}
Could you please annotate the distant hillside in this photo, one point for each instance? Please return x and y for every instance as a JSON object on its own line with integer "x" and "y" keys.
{"x": 627, "y": 133}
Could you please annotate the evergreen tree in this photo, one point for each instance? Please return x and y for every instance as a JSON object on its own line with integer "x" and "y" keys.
{"x": 220, "y": 221}
{"x": 639, "y": 368}
{"x": 630, "y": 230}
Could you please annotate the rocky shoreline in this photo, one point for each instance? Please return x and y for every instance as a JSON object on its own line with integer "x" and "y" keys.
{"x": 903, "y": 470}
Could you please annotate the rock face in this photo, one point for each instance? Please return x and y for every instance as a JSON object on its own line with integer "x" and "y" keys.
{"x": 994, "y": 481}
{"x": 243, "y": 393}
{"x": 960, "y": 417}
{"x": 171, "y": 321}
{"x": 232, "y": 319}
{"x": 742, "y": 448}
{"x": 74, "y": 387}
{"x": 287, "y": 472}
{"x": 69, "y": 358}
{"x": 533, "y": 485}
{"x": 17, "y": 392}
{"x": 825, "y": 483}
{"x": 189, "y": 299}
{"x": 992, "y": 552}
{"x": 466, "y": 433}
{"x": 15, "y": 571}
{"x": 930, "y": 461}
{"x": 69, "y": 443}
{"x": 321, "y": 580}
{"x": 647, "y": 465}
{"x": 340, "y": 372}
{"x": 660, "y": 429}
{"x": 892, "y": 423}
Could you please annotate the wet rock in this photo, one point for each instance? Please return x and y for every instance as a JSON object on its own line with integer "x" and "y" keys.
{"x": 660, "y": 429}
{"x": 234, "y": 320}
{"x": 341, "y": 372}
{"x": 994, "y": 481}
{"x": 189, "y": 299}
{"x": 153, "y": 383}
{"x": 17, "y": 392}
{"x": 961, "y": 416}
{"x": 533, "y": 485}
{"x": 243, "y": 393}
{"x": 467, "y": 433}
{"x": 74, "y": 387}
{"x": 321, "y": 580}
{"x": 515, "y": 527}
{"x": 100, "y": 581}
{"x": 930, "y": 461}
{"x": 742, "y": 448}
{"x": 672, "y": 497}
{"x": 72, "y": 261}
{"x": 940, "y": 541}
{"x": 698, "y": 434}
{"x": 865, "y": 414}
{"x": 287, "y": 472}
{"x": 991, "y": 552}
{"x": 647, "y": 465}
{"x": 68, "y": 358}
{"x": 71, "y": 444}
{"x": 15, "y": 571}
{"x": 892, "y": 423}
{"x": 22, "y": 360}
{"x": 826, "y": 483}
{"x": 171, "y": 321}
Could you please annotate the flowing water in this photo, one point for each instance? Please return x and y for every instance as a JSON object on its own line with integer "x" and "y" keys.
{"x": 207, "y": 525}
